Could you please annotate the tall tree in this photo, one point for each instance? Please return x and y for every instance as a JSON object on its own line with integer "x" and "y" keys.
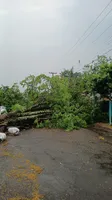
{"x": 10, "y": 96}
{"x": 99, "y": 74}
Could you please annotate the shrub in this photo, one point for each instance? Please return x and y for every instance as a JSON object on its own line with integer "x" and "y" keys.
{"x": 17, "y": 107}
{"x": 47, "y": 124}
{"x": 68, "y": 121}
{"x": 40, "y": 125}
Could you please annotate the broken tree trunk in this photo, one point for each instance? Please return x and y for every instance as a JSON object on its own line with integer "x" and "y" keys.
{"x": 26, "y": 119}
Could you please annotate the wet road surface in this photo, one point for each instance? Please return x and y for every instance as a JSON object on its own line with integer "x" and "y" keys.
{"x": 57, "y": 164}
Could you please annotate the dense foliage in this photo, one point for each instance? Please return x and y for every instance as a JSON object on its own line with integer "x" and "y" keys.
{"x": 10, "y": 96}
{"x": 75, "y": 98}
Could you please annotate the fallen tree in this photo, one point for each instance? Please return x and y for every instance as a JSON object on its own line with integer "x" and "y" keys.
{"x": 27, "y": 119}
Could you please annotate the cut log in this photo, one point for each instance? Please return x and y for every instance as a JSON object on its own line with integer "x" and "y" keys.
{"x": 33, "y": 113}
{"x": 25, "y": 120}
{"x": 39, "y": 107}
{"x": 3, "y": 117}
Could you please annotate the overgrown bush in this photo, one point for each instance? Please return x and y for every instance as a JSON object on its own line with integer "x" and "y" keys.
{"x": 18, "y": 107}
{"x": 46, "y": 123}
{"x": 68, "y": 121}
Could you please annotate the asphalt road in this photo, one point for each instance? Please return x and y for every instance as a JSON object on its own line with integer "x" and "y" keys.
{"x": 59, "y": 165}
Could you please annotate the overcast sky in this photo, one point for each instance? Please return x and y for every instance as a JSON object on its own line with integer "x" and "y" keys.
{"x": 36, "y": 34}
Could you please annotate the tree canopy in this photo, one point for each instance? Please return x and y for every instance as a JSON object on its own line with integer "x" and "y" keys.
{"x": 71, "y": 95}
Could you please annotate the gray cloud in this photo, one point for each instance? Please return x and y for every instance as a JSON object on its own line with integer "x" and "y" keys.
{"x": 35, "y": 35}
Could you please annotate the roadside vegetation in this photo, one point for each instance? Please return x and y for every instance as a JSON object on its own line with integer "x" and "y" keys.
{"x": 75, "y": 98}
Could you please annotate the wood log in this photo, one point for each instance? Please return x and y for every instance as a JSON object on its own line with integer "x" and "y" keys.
{"x": 33, "y": 113}
{"x": 28, "y": 121}
{"x": 3, "y": 117}
{"x": 25, "y": 120}
{"x": 39, "y": 107}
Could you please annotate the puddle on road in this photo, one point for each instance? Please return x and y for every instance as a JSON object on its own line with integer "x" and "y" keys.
{"x": 104, "y": 160}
